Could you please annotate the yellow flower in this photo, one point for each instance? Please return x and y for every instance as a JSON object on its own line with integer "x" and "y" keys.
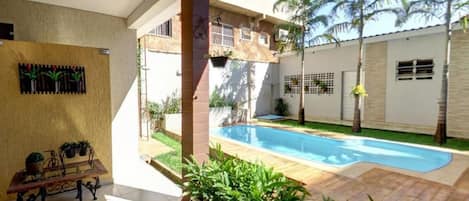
{"x": 359, "y": 90}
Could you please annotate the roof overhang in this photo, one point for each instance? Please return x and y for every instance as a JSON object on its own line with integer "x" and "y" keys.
{"x": 252, "y": 9}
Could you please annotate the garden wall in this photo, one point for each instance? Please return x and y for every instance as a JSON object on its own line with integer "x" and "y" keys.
{"x": 218, "y": 116}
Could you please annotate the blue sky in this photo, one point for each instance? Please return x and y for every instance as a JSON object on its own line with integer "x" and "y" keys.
{"x": 386, "y": 23}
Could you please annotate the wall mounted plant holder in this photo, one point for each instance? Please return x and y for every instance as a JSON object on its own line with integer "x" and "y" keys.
{"x": 51, "y": 79}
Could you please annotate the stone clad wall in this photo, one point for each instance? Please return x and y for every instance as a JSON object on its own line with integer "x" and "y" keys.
{"x": 375, "y": 81}
{"x": 458, "y": 99}
{"x": 243, "y": 49}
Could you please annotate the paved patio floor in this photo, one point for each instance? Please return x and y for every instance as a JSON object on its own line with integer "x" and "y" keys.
{"x": 357, "y": 181}
{"x": 117, "y": 193}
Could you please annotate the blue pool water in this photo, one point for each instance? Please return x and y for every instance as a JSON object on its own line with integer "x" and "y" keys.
{"x": 336, "y": 152}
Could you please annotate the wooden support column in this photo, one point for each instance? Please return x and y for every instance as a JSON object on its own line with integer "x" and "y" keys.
{"x": 195, "y": 86}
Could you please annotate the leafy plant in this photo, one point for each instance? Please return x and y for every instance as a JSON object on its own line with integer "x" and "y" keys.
{"x": 172, "y": 104}
{"x": 281, "y": 107}
{"x": 31, "y": 72}
{"x": 227, "y": 178}
{"x": 76, "y": 76}
{"x": 216, "y": 100}
{"x": 34, "y": 158}
{"x": 154, "y": 109}
{"x": 69, "y": 149}
{"x": 221, "y": 53}
{"x": 322, "y": 85}
{"x": 53, "y": 74}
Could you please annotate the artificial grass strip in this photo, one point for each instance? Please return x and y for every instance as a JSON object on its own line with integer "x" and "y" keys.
{"x": 453, "y": 143}
{"x": 171, "y": 159}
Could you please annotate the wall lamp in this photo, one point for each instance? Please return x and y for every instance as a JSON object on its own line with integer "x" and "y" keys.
{"x": 105, "y": 51}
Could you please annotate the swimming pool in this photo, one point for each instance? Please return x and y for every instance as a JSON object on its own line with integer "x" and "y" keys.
{"x": 336, "y": 152}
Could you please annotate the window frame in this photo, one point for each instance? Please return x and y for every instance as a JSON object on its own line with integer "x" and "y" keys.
{"x": 159, "y": 33}
{"x": 267, "y": 39}
{"x": 241, "y": 33}
{"x": 414, "y": 67}
{"x": 222, "y": 34}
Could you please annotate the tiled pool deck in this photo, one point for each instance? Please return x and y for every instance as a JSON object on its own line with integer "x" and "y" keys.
{"x": 355, "y": 182}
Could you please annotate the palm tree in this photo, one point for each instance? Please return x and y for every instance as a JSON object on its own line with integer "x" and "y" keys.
{"x": 358, "y": 13}
{"x": 433, "y": 9}
{"x": 303, "y": 23}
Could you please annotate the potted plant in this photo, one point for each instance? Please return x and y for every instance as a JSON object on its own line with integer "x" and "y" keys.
{"x": 69, "y": 149}
{"x": 220, "y": 59}
{"x": 294, "y": 81}
{"x": 32, "y": 74}
{"x": 322, "y": 86}
{"x": 287, "y": 88}
{"x": 83, "y": 147}
{"x": 34, "y": 163}
{"x": 76, "y": 77}
{"x": 55, "y": 76}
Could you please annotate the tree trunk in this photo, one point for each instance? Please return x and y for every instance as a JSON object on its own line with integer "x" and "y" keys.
{"x": 357, "y": 111}
{"x": 301, "y": 109}
{"x": 440, "y": 133}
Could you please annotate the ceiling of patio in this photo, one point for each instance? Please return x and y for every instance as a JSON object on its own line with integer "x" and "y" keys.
{"x": 119, "y": 8}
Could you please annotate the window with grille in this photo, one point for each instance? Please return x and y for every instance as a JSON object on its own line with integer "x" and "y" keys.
{"x": 316, "y": 83}
{"x": 245, "y": 33}
{"x": 222, "y": 34}
{"x": 164, "y": 29}
{"x": 418, "y": 69}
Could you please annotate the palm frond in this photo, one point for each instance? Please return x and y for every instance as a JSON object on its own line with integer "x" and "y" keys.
{"x": 323, "y": 39}
{"x": 340, "y": 27}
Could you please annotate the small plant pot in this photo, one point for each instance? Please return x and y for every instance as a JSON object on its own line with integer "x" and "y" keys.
{"x": 33, "y": 86}
{"x": 57, "y": 86}
{"x": 219, "y": 62}
{"x": 35, "y": 168}
{"x": 70, "y": 153}
{"x": 83, "y": 151}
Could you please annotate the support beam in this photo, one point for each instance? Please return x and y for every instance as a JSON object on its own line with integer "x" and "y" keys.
{"x": 195, "y": 82}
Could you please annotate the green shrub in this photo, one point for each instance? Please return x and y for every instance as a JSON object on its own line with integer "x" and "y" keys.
{"x": 227, "y": 178}
{"x": 170, "y": 105}
{"x": 216, "y": 100}
{"x": 154, "y": 109}
{"x": 281, "y": 107}
{"x": 34, "y": 158}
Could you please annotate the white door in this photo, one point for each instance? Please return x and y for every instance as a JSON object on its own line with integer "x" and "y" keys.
{"x": 348, "y": 82}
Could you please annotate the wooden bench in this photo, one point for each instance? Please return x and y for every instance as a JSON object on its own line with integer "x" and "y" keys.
{"x": 54, "y": 181}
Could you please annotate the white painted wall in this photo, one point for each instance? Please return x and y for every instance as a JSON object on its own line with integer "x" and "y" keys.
{"x": 162, "y": 79}
{"x": 336, "y": 60}
{"x": 414, "y": 101}
{"x": 407, "y": 102}
{"x": 218, "y": 116}
{"x": 231, "y": 81}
